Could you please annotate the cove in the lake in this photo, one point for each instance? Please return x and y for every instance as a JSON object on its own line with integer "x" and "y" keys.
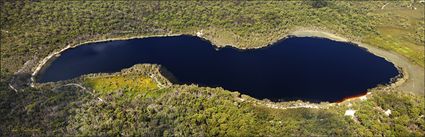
{"x": 306, "y": 68}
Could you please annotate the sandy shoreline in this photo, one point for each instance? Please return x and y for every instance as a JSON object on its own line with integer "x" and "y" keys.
{"x": 413, "y": 75}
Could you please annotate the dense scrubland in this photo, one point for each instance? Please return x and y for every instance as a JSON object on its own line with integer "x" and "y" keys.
{"x": 135, "y": 104}
{"x": 132, "y": 104}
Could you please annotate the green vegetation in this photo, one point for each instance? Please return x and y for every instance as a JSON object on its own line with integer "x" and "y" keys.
{"x": 130, "y": 83}
{"x": 134, "y": 104}
{"x": 400, "y": 30}
{"x": 188, "y": 110}
{"x": 35, "y": 29}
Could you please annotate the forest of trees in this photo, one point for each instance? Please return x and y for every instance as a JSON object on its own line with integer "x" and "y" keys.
{"x": 135, "y": 105}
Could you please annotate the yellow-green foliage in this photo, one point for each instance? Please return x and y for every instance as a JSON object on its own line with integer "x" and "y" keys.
{"x": 399, "y": 45}
{"x": 129, "y": 83}
{"x": 400, "y": 29}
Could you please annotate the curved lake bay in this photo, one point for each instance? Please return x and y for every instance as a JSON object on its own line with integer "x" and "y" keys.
{"x": 306, "y": 68}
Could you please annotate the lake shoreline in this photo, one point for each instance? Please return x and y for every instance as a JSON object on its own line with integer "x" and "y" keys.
{"x": 299, "y": 33}
{"x": 412, "y": 75}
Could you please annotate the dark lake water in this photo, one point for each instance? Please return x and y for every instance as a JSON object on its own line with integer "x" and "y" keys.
{"x": 306, "y": 68}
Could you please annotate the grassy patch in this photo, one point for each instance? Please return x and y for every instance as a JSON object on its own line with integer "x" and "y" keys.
{"x": 131, "y": 84}
{"x": 406, "y": 48}
{"x": 400, "y": 29}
